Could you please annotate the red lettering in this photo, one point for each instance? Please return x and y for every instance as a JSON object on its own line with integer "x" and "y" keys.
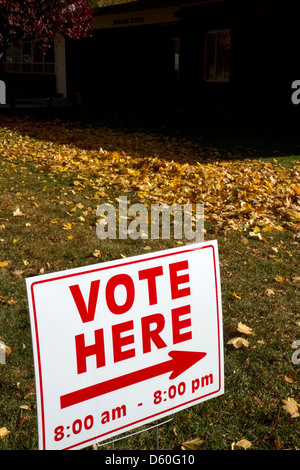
{"x": 83, "y": 351}
{"x": 86, "y": 314}
{"x": 178, "y": 324}
{"x": 119, "y": 342}
{"x": 153, "y": 335}
{"x": 176, "y": 280}
{"x": 150, "y": 274}
{"x": 127, "y": 282}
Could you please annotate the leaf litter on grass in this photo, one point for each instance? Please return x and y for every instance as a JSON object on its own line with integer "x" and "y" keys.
{"x": 237, "y": 193}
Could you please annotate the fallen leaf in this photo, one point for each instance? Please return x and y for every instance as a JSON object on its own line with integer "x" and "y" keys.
{"x": 269, "y": 292}
{"x": 25, "y": 407}
{"x": 254, "y": 234}
{"x": 235, "y": 295}
{"x": 3, "y": 300}
{"x": 4, "y": 263}
{"x": 290, "y": 376}
{"x": 68, "y": 226}
{"x": 194, "y": 444}
{"x": 23, "y": 420}
{"x": 279, "y": 279}
{"x": 97, "y": 253}
{"x": 238, "y": 342}
{"x": 296, "y": 187}
{"x": 4, "y": 432}
{"x": 291, "y": 406}
{"x": 17, "y": 212}
{"x": 244, "y": 329}
{"x": 242, "y": 444}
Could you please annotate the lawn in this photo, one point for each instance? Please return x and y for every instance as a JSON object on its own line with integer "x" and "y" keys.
{"x": 55, "y": 173}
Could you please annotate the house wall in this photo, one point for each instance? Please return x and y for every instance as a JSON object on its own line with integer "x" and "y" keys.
{"x": 195, "y": 22}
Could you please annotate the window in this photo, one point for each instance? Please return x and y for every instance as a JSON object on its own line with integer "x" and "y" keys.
{"x": 217, "y": 55}
{"x": 26, "y": 57}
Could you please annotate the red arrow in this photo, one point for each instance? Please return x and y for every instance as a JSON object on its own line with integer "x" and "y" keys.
{"x": 180, "y": 362}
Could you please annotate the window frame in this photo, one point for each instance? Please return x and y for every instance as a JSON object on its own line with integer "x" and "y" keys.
{"x": 21, "y": 65}
{"x": 207, "y": 33}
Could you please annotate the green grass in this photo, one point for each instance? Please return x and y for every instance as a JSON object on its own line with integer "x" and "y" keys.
{"x": 255, "y": 385}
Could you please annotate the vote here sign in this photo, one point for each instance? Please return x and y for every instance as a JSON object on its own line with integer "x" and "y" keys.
{"x": 123, "y": 343}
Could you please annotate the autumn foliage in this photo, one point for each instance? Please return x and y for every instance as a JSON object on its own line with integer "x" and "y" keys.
{"x": 41, "y": 19}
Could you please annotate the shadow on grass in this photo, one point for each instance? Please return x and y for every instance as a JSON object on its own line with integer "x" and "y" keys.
{"x": 216, "y": 133}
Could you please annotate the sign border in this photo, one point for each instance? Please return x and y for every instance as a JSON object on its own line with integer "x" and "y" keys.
{"x": 132, "y": 260}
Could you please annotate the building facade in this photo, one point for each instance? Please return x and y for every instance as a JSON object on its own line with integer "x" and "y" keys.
{"x": 199, "y": 52}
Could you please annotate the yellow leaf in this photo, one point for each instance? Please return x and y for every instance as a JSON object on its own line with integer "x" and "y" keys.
{"x": 3, "y": 300}
{"x": 290, "y": 376}
{"x": 4, "y": 263}
{"x": 268, "y": 228}
{"x": 97, "y": 253}
{"x": 242, "y": 444}
{"x": 244, "y": 329}
{"x": 254, "y": 234}
{"x": 4, "y": 432}
{"x": 291, "y": 406}
{"x": 68, "y": 226}
{"x": 279, "y": 279}
{"x": 235, "y": 295}
{"x": 17, "y": 212}
{"x": 296, "y": 187}
{"x": 194, "y": 444}
{"x": 25, "y": 407}
{"x": 269, "y": 292}
{"x": 238, "y": 342}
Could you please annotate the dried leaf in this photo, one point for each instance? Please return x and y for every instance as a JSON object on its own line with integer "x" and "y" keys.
{"x": 279, "y": 279}
{"x": 4, "y": 263}
{"x": 25, "y": 407}
{"x": 269, "y": 292}
{"x": 244, "y": 329}
{"x": 291, "y": 406}
{"x": 194, "y": 444}
{"x": 17, "y": 212}
{"x": 238, "y": 342}
{"x": 3, "y": 432}
{"x": 242, "y": 444}
{"x": 235, "y": 295}
{"x": 23, "y": 420}
{"x": 3, "y": 300}
{"x": 290, "y": 376}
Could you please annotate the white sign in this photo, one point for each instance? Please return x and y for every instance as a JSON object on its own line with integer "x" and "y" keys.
{"x": 123, "y": 343}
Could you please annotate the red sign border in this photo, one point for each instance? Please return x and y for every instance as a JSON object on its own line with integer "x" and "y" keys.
{"x": 126, "y": 263}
